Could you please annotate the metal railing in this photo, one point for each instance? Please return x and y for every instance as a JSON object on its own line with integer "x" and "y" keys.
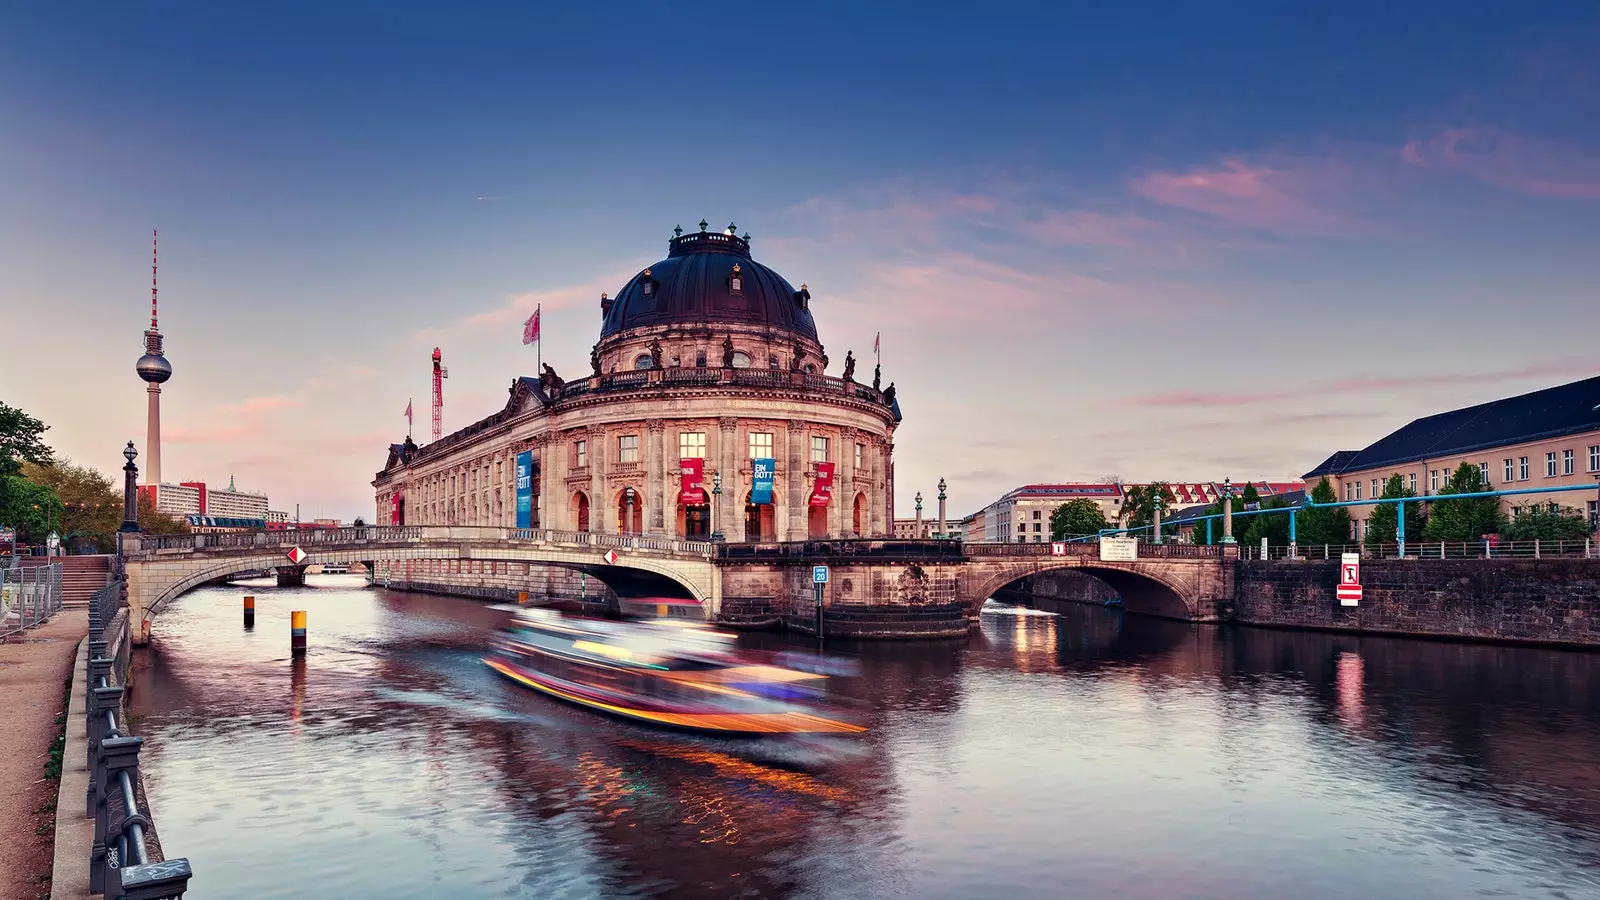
{"x": 1092, "y": 550}
{"x": 29, "y": 596}
{"x": 126, "y": 859}
{"x": 1425, "y": 550}
{"x": 388, "y": 535}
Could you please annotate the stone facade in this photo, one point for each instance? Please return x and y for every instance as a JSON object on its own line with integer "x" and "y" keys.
{"x": 500, "y": 582}
{"x": 1538, "y": 601}
{"x": 877, "y": 599}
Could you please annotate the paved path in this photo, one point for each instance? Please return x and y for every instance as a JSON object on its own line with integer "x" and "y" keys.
{"x": 33, "y": 666}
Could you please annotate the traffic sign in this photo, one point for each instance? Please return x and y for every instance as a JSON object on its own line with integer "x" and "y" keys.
{"x": 1349, "y": 589}
{"x": 1058, "y": 548}
{"x": 611, "y": 557}
{"x": 819, "y": 574}
{"x": 295, "y": 555}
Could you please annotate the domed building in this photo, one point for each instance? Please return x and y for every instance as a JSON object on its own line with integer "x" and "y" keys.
{"x": 709, "y": 373}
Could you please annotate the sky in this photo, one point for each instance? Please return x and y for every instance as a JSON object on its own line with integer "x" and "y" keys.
{"x": 1175, "y": 241}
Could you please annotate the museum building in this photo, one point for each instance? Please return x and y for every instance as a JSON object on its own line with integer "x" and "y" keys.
{"x": 707, "y": 409}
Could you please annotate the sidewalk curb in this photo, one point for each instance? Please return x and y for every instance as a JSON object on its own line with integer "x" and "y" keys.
{"x": 74, "y": 831}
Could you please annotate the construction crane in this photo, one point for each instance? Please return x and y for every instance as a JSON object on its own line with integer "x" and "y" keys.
{"x": 440, "y": 373}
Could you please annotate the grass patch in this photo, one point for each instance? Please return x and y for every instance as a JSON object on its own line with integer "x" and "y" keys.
{"x": 58, "y": 747}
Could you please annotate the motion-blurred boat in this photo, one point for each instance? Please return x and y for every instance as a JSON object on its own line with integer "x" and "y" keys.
{"x": 669, "y": 672}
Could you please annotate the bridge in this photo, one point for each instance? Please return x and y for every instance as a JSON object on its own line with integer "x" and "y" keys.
{"x": 879, "y": 588}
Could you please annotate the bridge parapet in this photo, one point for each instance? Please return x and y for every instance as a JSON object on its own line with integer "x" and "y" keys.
{"x": 1092, "y": 550}
{"x": 390, "y": 535}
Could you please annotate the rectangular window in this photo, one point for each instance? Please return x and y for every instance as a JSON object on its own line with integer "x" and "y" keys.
{"x": 1568, "y": 462}
{"x": 1550, "y": 465}
{"x": 1511, "y": 472}
{"x": 1038, "y": 539}
{"x": 1522, "y": 468}
{"x": 1358, "y": 490}
{"x": 1377, "y": 490}
{"x": 761, "y": 445}
{"x": 1022, "y": 527}
{"x": 1347, "y": 492}
{"x": 1433, "y": 481}
{"x": 692, "y": 445}
{"x": 861, "y": 452}
{"x": 1483, "y": 473}
{"x": 1036, "y": 516}
{"x": 627, "y": 448}
{"x": 1036, "y": 527}
{"x": 1594, "y": 510}
{"x": 580, "y": 453}
{"x": 819, "y": 448}
{"x": 1594, "y": 458}
{"x": 1413, "y": 486}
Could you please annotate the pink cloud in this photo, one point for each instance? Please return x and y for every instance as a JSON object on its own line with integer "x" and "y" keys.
{"x": 1292, "y": 196}
{"x": 1082, "y": 227}
{"x": 1510, "y": 161}
{"x": 519, "y": 307}
{"x": 1363, "y": 384}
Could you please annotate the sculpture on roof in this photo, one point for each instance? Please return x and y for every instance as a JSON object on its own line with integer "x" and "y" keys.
{"x": 594, "y": 360}
{"x": 798, "y": 356}
{"x": 849, "y": 366}
{"x": 550, "y": 381}
{"x": 888, "y": 394}
{"x": 727, "y": 352}
{"x": 655, "y": 354}
{"x": 877, "y": 376}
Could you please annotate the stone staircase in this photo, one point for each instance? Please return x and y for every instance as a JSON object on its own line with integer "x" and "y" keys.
{"x": 81, "y": 577}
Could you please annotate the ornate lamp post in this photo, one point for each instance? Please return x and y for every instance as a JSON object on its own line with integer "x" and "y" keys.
{"x": 1155, "y": 507}
{"x": 918, "y": 534}
{"x": 716, "y": 495}
{"x": 942, "y": 532}
{"x": 130, "y": 490}
{"x": 628, "y": 522}
{"x": 1227, "y": 511}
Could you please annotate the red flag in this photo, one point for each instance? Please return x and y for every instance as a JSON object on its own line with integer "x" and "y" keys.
{"x": 875, "y": 338}
{"x": 692, "y": 491}
{"x": 822, "y": 492}
{"x": 530, "y": 328}
{"x": 408, "y": 408}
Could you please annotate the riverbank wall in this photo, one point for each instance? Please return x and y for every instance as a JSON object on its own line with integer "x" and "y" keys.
{"x": 498, "y": 582}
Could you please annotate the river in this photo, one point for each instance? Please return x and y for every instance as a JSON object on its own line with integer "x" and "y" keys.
{"x": 1090, "y": 755}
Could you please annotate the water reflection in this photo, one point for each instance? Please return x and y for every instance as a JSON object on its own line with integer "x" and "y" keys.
{"x": 1045, "y": 757}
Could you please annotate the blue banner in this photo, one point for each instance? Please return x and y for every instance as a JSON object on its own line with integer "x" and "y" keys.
{"x": 761, "y": 480}
{"x": 525, "y": 489}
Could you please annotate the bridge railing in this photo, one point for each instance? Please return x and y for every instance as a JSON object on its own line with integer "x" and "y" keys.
{"x": 1092, "y": 550}
{"x": 1435, "y": 550}
{"x": 312, "y": 538}
{"x": 29, "y": 596}
{"x": 126, "y": 858}
{"x": 868, "y": 548}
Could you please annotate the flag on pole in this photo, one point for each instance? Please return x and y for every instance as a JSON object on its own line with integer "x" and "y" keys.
{"x": 408, "y": 417}
{"x": 530, "y": 328}
{"x": 875, "y": 338}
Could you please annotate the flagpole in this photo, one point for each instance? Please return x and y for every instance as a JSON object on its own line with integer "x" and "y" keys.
{"x": 538, "y": 366}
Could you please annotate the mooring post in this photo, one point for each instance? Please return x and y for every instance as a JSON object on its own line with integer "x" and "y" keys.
{"x": 297, "y": 632}
{"x": 249, "y": 611}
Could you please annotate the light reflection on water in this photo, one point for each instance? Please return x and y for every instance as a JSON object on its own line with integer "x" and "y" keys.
{"x": 1090, "y": 755}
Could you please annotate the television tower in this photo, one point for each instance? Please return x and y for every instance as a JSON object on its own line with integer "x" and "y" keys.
{"x": 440, "y": 373}
{"x": 154, "y": 369}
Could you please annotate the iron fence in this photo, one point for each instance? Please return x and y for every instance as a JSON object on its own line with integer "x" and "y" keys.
{"x": 126, "y": 859}
{"x": 1425, "y": 550}
{"x": 29, "y": 596}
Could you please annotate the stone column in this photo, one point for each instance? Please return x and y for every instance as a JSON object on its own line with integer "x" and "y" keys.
{"x": 795, "y": 484}
{"x": 844, "y": 489}
{"x": 542, "y": 455}
{"x": 728, "y": 522}
{"x": 602, "y": 518}
{"x": 655, "y": 477}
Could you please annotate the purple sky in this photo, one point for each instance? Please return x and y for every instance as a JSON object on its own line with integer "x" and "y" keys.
{"x": 1180, "y": 246}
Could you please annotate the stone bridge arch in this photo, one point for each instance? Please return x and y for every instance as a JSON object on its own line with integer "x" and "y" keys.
{"x": 1187, "y": 589}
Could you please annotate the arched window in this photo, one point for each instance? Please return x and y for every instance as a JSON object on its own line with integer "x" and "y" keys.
{"x": 647, "y": 282}
{"x": 736, "y": 280}
{"x": 811, "y": 369}
{"x": 741, "y": 359}
{"x": 643, "y": 361}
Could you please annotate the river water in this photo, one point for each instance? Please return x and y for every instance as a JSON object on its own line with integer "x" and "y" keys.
{"x": 1090, "y": 755}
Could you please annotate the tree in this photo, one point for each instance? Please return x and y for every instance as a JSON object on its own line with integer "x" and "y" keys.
{"x": 1077, "y": 518}
{"x": 1383, "y": 523}
{"x": 1544, "y": 523}
{"x": 1139, "y": 504}
{"x": 1463, "y": 520}
{"x": 21, "y": 438}
{"x": 91, "y": 503}
{"x": 153, "y": 522}
{"x": 1320, "y": 524}
{"x": 1272, "y": 526}
{"x": 32, "y": 509}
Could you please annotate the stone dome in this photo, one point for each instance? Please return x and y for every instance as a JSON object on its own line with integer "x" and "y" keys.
{"x": 695, "y": 287}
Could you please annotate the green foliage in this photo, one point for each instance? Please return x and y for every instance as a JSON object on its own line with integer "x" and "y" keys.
{"x": 1383, "y": 523}
{"x": 1139, "y": 507}
{"x": 1321, "y": 525}
{"x": 1272, "y": 526}
{"x": 1540, "y": 522}
{"x": 28, "y": 507}
{"x": 21, "y": 438}
{"x": 1077, "y": 518}
{"x": 152, "y": 522}
{"x": 1463, "y": 520}
{"x": 91, "y": 503}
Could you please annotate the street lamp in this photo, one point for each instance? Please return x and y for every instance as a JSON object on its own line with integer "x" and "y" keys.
{"x": 1155, "y": 507}
{"x": 1227, "y": 510}
{"x": 918, "y": 533}
{"x": 942, "y": 532}
{"x": 130, "y": 490}
{"x": 628, "y": 525}
{"x": 716, "y": 495}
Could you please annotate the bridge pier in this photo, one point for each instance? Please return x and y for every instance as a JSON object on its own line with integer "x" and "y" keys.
{"x": 291, "y": 576}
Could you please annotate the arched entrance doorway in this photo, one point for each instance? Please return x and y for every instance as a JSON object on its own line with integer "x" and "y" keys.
{"x": 817, "y": 523}
{"x": 633, "y": 524}
{"x": 580, "y": 511}
{"x": 858, "y": 515}
{"x": 760, "y": 521}
{"x": 694, "y": 522}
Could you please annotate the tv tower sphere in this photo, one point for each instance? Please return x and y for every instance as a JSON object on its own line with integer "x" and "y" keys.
{"x": 154, "y": 368}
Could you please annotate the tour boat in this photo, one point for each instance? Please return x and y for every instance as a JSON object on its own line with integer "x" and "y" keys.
{"x": 671, "y": 673}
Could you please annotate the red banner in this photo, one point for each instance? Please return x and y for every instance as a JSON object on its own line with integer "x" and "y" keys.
{"x": 822, "y": 491}
{"x": 693, "y": 491}
{"x": 394, "y": 508}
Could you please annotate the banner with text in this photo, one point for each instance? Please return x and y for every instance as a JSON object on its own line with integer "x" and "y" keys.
{"x": 525, "y": 489}
{"x": 761, "y": 480}
{"x": 693, "y": 490}
{"x": 394, "y": 508}
{"x": 822, "y": 491}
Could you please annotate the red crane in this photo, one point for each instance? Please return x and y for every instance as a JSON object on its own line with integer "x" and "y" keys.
{"x": 440, "y": 373}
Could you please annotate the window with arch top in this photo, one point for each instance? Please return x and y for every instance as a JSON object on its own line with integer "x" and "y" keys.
{"x": 643, "y": 361}
{"x": 741, "y": 359}
{"x": 736, "y": 280}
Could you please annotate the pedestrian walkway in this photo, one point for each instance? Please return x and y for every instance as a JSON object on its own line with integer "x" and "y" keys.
{"x": 33, "y": 668}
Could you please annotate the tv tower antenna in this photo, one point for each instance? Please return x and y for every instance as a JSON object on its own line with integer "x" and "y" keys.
{"x": 440, "y": 373}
